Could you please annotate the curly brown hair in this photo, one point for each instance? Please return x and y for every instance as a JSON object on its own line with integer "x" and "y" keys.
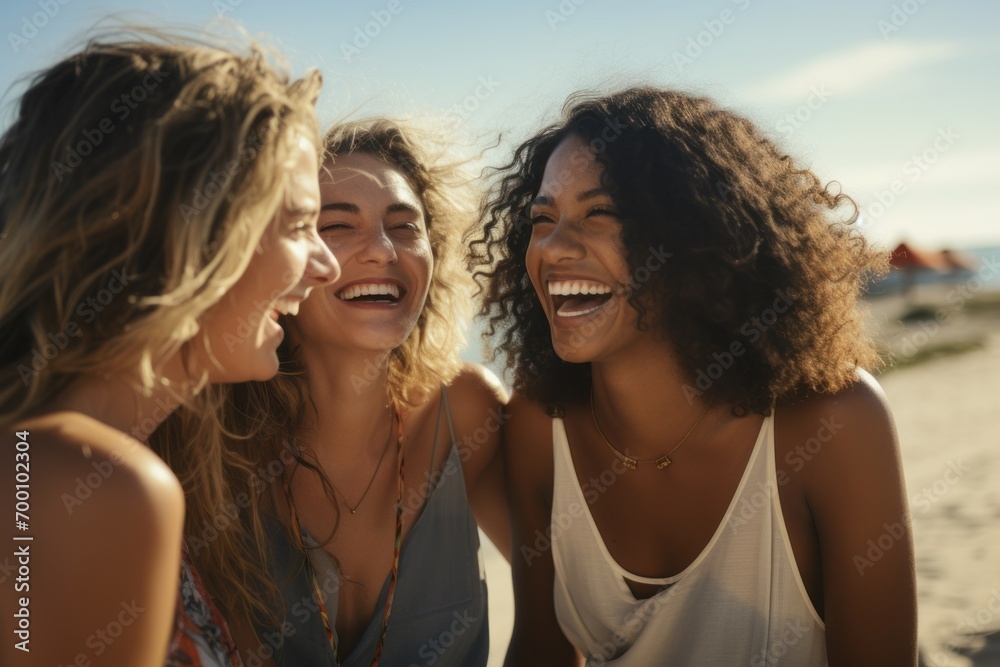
{"x": 741, "y": 223}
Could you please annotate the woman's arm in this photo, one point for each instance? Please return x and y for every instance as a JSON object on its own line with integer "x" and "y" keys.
{"x": 858, "y": 500}
{"x": 527, "y": 445}
{"x": 477, "y": 402}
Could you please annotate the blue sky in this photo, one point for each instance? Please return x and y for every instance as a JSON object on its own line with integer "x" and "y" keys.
{"x": 896, "y": 100}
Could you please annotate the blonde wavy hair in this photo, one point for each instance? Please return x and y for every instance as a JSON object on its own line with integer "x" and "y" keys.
{"x": 263, "y": 417}
{"x": 136, "y": 181}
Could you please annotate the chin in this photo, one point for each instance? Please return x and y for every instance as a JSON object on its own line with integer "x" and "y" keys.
{"x": 263, "y": 367}
{"x": 572, "y": 351}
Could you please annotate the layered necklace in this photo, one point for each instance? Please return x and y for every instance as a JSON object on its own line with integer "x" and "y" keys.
{"x": 317, "y": 591}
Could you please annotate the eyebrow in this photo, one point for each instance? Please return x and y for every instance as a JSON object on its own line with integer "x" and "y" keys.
{"x": 402, "y": 208}
{"x": 353, "y": 208}
{"x": 340, "y": 206}
{"x": 542, "y": 200}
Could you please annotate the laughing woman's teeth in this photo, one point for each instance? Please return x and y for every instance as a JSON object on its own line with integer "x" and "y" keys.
{"x": 370, "y": 289}
{"x": 571, "y": 287}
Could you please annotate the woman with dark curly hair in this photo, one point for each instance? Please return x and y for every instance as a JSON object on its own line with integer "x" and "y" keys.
{"x": 701, "y": 470}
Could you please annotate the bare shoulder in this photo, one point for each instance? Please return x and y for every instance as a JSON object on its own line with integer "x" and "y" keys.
{"x": 92, "y": 471}
{"x": 850, "y": 431}
{"x": 477, "y": 401}
{"x": 476, "y": 385}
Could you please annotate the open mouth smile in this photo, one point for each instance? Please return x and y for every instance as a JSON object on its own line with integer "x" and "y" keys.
{"x": 576, "y": 298}
{"x": 372, "y": 292}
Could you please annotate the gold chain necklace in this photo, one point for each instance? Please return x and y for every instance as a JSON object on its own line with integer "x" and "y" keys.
{"x": 354, "y": 509}
{"x": 630, "y": 462}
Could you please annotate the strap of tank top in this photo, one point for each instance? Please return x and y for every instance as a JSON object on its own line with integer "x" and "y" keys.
{"x": 443, "y": 408}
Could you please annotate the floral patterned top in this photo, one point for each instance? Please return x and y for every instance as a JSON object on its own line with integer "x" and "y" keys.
{"x": 201, "y": 637}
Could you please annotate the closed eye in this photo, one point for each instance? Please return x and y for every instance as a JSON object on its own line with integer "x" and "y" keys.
{"x": 539, "y": 218}
{"x": 329, "y": 227}
{"x": 603, "y": 211}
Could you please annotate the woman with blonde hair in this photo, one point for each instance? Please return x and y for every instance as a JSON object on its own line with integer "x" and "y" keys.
{"x": 394, "y": 437}
{"x": 158, "y": 204}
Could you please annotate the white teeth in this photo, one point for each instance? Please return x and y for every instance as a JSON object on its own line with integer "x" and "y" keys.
{"x": 369, "y": 289}
{"x": 571, "y": 287}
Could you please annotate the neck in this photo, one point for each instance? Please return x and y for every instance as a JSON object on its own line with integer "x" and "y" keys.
{"x": 114, "y": 401}
{"x": 641, "y": 402}
{"x": 350, "y": 388}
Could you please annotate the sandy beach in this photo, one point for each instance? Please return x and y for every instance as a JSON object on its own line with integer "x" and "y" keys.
{"x": 944, "y": 408}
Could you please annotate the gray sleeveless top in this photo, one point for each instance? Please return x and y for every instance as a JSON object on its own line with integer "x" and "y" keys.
{"x": 439, "y": 614}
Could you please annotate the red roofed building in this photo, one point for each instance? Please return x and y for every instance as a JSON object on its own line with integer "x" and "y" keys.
{"x": 912, "y": 262}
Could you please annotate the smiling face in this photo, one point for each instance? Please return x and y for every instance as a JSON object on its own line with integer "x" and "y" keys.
{"x": 374, "y": 223}
{"x": 576, "y": 260}
{"x": 289, "y": 262}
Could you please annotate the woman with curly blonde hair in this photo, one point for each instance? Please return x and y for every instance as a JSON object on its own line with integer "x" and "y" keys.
{"x": 698, "y": 460}
{"x": 158, "y": 207}
{"x": 375, "y": 538}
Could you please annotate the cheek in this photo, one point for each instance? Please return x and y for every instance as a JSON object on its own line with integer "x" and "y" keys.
{"x": 286, "y": 266}
{"x": 422, "y": 260}
{"x": 531, "y": 263}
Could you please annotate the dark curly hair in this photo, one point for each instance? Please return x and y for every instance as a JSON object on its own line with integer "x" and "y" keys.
{"x": 743, "y": 225}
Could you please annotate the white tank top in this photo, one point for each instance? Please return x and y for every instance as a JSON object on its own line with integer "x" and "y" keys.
{"x": 740, "y": 602}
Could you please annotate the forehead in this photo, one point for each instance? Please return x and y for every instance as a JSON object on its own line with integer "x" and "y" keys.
{"x": 571, "y": 166}
{"x": 302, "y": 167}
{"x": 361, "y": 176}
